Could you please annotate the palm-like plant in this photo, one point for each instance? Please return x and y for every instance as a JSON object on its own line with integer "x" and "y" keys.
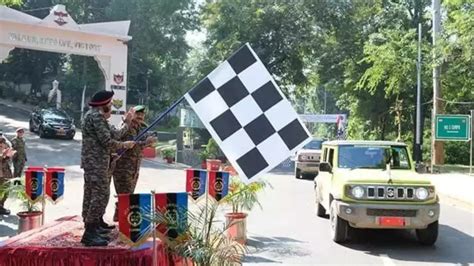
{"x": 15, "y": 189}
{"x": 202, "y": 240}
{"x": 244, "y": 197}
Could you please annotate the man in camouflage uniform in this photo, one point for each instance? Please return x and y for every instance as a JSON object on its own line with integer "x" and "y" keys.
{"x": 18, "y": 144}
{"x": 97, "y": 145}
{"x": 127, "y": 167}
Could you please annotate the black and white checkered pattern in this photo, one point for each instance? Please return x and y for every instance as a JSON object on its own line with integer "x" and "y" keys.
{"x": 246, "y": 113}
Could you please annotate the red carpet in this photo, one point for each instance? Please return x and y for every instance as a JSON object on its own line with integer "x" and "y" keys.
{"x": 59, "y": 244}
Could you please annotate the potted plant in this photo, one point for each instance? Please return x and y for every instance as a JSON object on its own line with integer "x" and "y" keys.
{"x": 31, "y": 217}
{"x": 203, "y": 155}
{"x": 168, "y": 155}
{"x": 242, "y": 197}
{"x": 212, "y": 150}
{"x": 202, "y": 241}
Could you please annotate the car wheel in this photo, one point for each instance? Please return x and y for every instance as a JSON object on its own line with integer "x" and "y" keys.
{"x": 309, "y": 176}
{"x": 320, "y": 210}
{"x": 297, "y": 173}
{"x": 429, "y": 235}
{"x": 338, "y": 225}
{"x": 31, "y": 128}
{"x": 41, "y": 133}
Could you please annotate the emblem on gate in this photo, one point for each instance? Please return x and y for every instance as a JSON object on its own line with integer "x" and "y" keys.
{"x": 60, "y": 16}
{"x": 118, "y": 79}
{"x": 117, "y": 103}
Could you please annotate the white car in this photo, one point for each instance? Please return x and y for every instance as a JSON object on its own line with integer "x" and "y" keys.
{"x": 307, "y": 160}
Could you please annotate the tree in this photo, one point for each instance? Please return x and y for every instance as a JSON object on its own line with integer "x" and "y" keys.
{"x": 10, "y": 2}
{"x": 158, "y": 52}
{"x": 280, "y": 32}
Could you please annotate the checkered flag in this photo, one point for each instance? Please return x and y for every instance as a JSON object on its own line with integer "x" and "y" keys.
{"x": 246, "y": 113}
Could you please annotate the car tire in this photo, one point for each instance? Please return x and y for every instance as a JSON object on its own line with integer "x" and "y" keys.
{"x": 338, "y": 225}
{"x": 297, "y": 173}
{"x": 309, "y": 176}
{"x": 41, "y": 133}
{"x": 31, "y": 128}
{"x": 320, "y": 210}
{"x": 429, "y": 235}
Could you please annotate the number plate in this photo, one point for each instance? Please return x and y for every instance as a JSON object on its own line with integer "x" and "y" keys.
{"x": 392, "y": 221}
{"x": 61, "y": 132}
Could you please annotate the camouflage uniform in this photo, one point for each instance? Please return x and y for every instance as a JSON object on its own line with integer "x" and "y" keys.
{"x": 127, "y": 167}
{"x": 117, "y": 134}
{"x": 97, "y": 146}
{"x": 19, "y": 159}
{"x": 5, "y": 174}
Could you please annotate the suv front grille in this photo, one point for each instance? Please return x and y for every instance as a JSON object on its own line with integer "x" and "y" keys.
{"x": 393, "y": 213}
{"x": 389, "y": 192}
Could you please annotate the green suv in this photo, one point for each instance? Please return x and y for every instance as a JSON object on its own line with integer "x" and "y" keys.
{"x": 373, "y": 184}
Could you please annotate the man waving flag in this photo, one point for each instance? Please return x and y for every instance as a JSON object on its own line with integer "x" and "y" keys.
{"x": 247, "y": 114}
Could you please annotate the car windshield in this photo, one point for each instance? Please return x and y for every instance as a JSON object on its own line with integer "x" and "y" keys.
{"x": 373, "y": 157}
{"x": 313, "y": 145}
{"x": 54, "y": 114}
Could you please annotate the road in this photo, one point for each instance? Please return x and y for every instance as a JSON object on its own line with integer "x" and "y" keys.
{"x": 285, "y": 231}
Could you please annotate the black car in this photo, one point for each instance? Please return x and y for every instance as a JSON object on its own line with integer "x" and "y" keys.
{"x": 52, "y": 122}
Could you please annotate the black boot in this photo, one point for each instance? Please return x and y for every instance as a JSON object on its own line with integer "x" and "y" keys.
{"x": 92, "y": 238}
{"x": 104, "y": 225}
{"x": 102, "y": 231}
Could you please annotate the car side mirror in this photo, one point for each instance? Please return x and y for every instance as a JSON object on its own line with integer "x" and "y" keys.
{"x": 325, "y": 167}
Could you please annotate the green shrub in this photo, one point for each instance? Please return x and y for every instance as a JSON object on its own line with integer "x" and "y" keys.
{"x": 457, "y": 152}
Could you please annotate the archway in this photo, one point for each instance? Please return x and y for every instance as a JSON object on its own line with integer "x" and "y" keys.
{"x": 58, "y": 32}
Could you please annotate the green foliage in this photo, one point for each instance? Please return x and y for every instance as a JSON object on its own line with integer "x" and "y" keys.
{"x": 201, "y": 239}
{"x": 212, "y": 149}
{"x": 10, "y": 2}
{"x": 457, "y": 152}
{"x": 15, "y": 189}
{"x": 168, "y": 153}
{"x": 243, "y": 197}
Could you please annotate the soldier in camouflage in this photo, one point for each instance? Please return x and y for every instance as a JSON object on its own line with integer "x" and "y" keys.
{"x": 127, "y": 168}
{"x": 97, "y": 145}
{"x": 5, "y": 172}
{"x": 18, "y": 144}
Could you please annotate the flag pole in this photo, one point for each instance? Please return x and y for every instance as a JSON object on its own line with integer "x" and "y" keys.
{"x": 43, "y": 200}
{"x": 153, "y": 226}
{"x": 207, "y": 202}
{"x": 160, "y": 117}
{"x": 156, "y": 121}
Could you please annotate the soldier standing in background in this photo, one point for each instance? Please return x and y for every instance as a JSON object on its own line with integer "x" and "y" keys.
{"x": 127, "y": 167}
{"x": 5, "y": 172}
{"x": 18, "y": 144}
{"x": 97, "y": 146}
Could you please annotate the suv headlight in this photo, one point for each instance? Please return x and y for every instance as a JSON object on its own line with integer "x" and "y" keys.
{"x": 357, "y": 192}
{"x": 421, "y": 193}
